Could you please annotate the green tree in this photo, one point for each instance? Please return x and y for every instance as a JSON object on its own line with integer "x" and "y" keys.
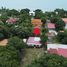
{"x": 44, "y": 37}
{"x": 13, "y": 13}
{"x": 59, "y": 25}
{"x": 62, "y": 37}
{"x": 9, "y": 57}
{"x": 60, "y": 12}
{"x": 38, "y": 14}
{"x": 24, "y": 11}
{"x": 1, "y": 36}
{"x": 3, "y": 18}
{"x": 17, "y": 43}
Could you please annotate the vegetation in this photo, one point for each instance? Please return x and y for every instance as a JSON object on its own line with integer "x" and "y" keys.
{"x": 30, "y": 55}
{"x": 10, "y": 55}
{"x": 49, "y": 60}
{"x": 59, "y": 25}
{"x": 16, "y": 43}
{"x": 1, "y": 36}
{"x": 62, "y": 37}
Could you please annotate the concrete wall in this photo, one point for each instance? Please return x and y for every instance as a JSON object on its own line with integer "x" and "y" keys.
{"x": 56, "y": 46}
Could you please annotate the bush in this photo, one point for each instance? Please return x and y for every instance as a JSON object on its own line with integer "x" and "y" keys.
{"x": 59, "y": 25}
{"x": 62, "y": 37}
{"x": 1, "y": 36}
{"x": 49, "y": 60}
{"x": 17, "y": 43}
{"x": 9, "y": 57}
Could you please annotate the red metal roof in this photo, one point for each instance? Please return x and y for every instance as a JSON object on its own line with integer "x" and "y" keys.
{"x": 36, "y": 31}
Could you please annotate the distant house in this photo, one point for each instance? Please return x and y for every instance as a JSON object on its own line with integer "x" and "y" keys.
{"x": 36, "y": 22}
{"x": 58, "y": 49}
{"x": 32, "y": 13}
{"x": 65, "y": 21}
{"x": 11, "y": 20}
{"x": 51, "y": 28}
{"x": 34, "y": 41}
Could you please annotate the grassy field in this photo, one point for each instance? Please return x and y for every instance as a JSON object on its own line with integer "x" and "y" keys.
{"x": 31, "y": 54}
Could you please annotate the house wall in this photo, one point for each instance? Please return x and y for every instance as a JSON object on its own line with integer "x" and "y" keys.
{"x": 66, "y": 26}
{"x": 56, "y": 46}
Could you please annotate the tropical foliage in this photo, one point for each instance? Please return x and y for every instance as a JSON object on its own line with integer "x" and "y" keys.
{"x": 49, "y": 60}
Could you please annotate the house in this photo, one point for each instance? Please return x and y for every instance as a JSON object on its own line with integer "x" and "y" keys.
{"x": 34, "y": 41}
{"x": 12, "y": 20}
{"x": 51, "y": 28}
{"x": 36, "y": 31}
{"x": 3, "y": 42}
{"x": 59, "y": 49}
{"x": 36, "y": 22}
{"x": 32, "y": 13}
{"x": 65, "y": 21}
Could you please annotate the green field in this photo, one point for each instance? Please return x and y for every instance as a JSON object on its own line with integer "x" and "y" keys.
{"x": 31, "y": 54}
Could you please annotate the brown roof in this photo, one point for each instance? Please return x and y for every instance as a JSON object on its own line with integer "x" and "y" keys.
{"x": 36, "y": 20}
{"x": 4, "y": 42}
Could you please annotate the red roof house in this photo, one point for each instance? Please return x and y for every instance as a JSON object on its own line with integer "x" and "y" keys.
{"x": 11, "y": 20}
{"x": 36, "y": 31}
{"x": 62, "y": 52}
{"x": 50, "y": 25}
{"x": 34, "y": 41}
{"x": 36, "y": 22}
{"x": 52, "y": 51}
{"x": 65, "y": 20}
{"x": 58, "y": 49}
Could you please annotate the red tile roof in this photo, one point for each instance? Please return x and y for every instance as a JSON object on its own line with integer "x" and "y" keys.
{"x": 51, "y": 25}
{"x": 65, "y": 20}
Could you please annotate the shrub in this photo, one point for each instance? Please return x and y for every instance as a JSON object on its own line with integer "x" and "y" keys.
{"x": 17, "y": 43}
{"x": 62, "y": 37}
{"x": 1, "y": 36}
{"x": 49, "y": 60}
{"x": 9, "y": 57}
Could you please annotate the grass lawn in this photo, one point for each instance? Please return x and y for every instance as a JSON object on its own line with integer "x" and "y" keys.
{"x": 31, "y": 54}
{"x": 55, "y": 40}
